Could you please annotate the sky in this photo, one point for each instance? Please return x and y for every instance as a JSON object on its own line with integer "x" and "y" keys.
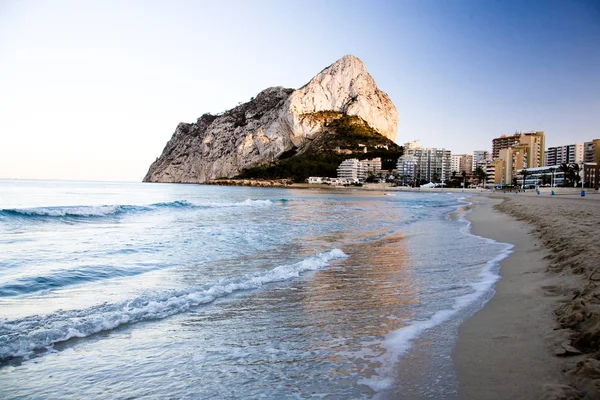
{"x": 93, "y": 90}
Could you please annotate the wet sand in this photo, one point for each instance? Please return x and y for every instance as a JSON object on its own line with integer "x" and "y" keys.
{"x": 539, "y": 336}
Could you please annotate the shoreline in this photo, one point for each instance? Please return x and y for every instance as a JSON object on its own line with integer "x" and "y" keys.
{"x": 387, "y": 187}
{"x": 518, "y": 345}
{"x": 500, "y": 352}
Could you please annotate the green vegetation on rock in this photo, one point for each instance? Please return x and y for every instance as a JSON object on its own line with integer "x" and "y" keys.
{"x": 343, "y": 136}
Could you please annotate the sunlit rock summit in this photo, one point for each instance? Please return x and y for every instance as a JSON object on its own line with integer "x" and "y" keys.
{"x": 276, "y": 121}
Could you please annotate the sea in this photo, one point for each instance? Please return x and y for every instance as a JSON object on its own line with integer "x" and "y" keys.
{"x": 170, "y": 291}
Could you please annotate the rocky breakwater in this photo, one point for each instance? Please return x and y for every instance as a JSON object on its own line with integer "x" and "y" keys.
{"x": 250, "y": 182}
{"x": 276, "y": 121}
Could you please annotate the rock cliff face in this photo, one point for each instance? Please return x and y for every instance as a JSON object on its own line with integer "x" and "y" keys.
{"x": 345, "y": 86}
{"x": 278, "y": 119}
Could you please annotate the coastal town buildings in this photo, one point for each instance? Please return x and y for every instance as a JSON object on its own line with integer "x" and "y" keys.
{"x": 461, "y": 163}
{"x": 553, "y": 175}
{"x": 571, "y": 153}
{"x": 354, "y": 169}
{"x": 495, "y": 170}
{"x": 429, "y": 164}
{"x": 407, "y": 164}
{"x": 454, "y": 162}
{"x": 591, "y": 151}
{"x": 410, "y": 147}
{"x": 512, "y": 157}
{"x": 533, "y": 143}
{"x": 518, "y": 151}
{"x": 373, "y": 165}
{"x": 407, "y": 168}
{"x": 504, "y": 142}
{"x": 434, "y": 164}
{"x": 466, "y": 163}
{"x": 590, "y": 175}
{"x": 536, "y": 142}
{"x": 515, "y": 158}
{"x": 481, "y": 159}
{"x": 504, "y": 165}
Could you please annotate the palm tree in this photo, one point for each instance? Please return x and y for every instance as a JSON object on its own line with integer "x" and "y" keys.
{"x": 575, "y": 168}
{"x": 480, "y": 174}
{"x": 525, "y": 173}
{"x": 566, "y": 170}
{"x": 452, "y": 182}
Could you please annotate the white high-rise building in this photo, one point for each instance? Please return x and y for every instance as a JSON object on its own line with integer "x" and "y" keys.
{"x": 354, "y": 169}
{"x": 373, "y": 165}
{"x": 407, "y": 167}
{"x": 455, "y": 162}
{"x": 433, "y": 165}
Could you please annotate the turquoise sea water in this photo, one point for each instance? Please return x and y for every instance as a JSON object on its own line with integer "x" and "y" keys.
{"x": 116, "y": 290}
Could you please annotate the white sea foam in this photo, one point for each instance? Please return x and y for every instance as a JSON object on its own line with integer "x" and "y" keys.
{"x": 245, "y": 203}
{"x": 22, "y": 337}
{"x": 84, "y": 211}
{"x": 108, "y": 210}
{"x": 397, "y": 343}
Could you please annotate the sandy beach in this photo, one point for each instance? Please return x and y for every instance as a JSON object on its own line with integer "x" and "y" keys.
{"x": 539, "y": 336}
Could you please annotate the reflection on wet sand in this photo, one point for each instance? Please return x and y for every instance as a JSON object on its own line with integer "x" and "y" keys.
{"x": 334, "y": 318}
{"x": 363, "y": 297}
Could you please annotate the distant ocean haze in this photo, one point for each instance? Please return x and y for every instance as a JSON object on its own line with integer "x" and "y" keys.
{"x": 191, "y": 291}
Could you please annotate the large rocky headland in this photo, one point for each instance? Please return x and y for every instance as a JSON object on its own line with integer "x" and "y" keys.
{"x": 284, "y": 133}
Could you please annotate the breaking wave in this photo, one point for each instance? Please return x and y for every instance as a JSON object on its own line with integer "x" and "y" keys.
{"x": 25, "y": 336}
{"x": 65, "y": 278}
{"x": 114, "y": 210}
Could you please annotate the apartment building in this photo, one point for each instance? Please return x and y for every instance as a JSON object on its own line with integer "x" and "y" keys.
{"x": 518, "y": 151}
{"x": 352, "y": 168}
{"x": 430, "y": 164}
{"x": 571, "y": 153}
{"x": 532, "y": 142}
{"x": 455, "y": 162}
{"x": 495, "y": 170}
{"x": 481, "y": 159}
{"x": 515, "y": 158}
{"x": 461, "y": 162}
{"x": 504, "y": 142}
{"x": 407, "y": 167}
{"x": 536, "y": 176}
{"x": 591, "y": 151}
{"x": 373, "y": 165}
{"x": 590, "y": 175}
{"x": 536, "y": 142}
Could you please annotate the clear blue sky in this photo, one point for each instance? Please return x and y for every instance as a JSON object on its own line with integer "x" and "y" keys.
{"x": 94, "y": 89}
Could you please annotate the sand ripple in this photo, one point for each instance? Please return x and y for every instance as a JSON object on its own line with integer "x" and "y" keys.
{"x": 570, "y": 228}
